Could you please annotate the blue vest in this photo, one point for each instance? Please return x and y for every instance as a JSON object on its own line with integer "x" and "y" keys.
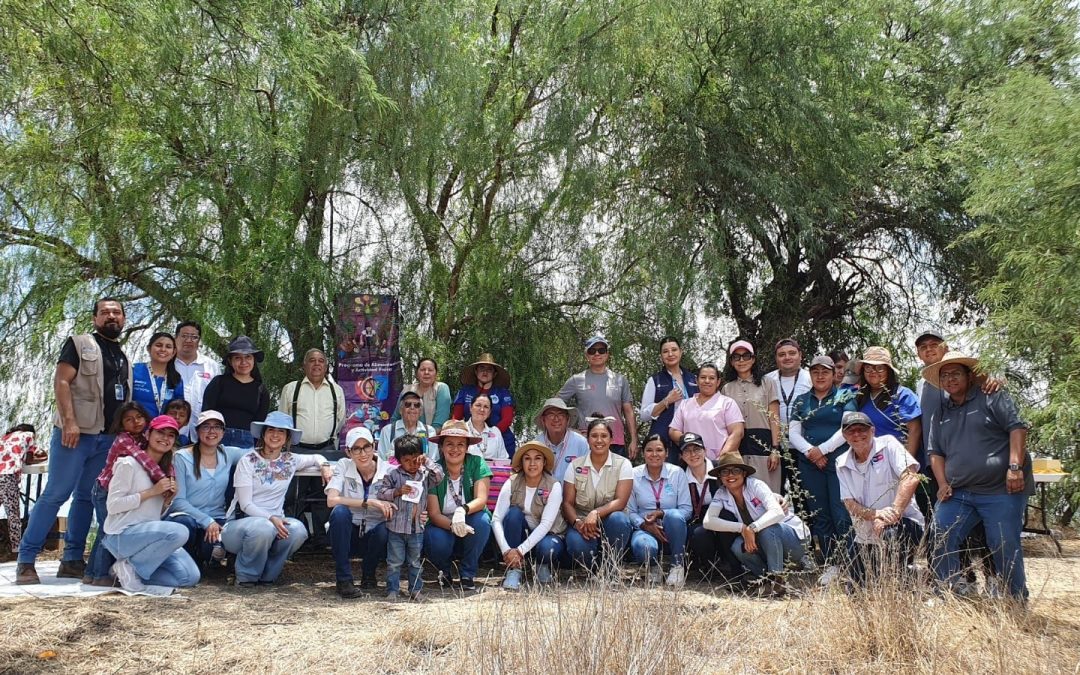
{"x": 664, "y": 383}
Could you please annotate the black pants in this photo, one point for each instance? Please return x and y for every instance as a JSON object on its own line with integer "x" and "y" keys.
{"x": 306, "y": 494}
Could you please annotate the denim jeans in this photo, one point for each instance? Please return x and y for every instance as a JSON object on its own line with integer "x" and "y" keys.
{"x": 1001, "y": 514}
{"x": 893, "y": 555}
{"x": 615, "y": 529}
{"x": 260, "y": 555}
{"x": 403, "y": 549}
{"x": 774, "y": 545}
{"x": 442, "y": 545}
{"x": 346, "y": 542}
{"x": 155, "y": 549}
{"x": 549, "y": 550}
{"x": 829, "y": 521}
{"x": 710, "y": 551}
{"x": 72, "y": 473}
{"x": 101, "y": 560}
{"x": 197, "y": 547}
{"x": 238, "y": 438}
{"x": 646, "y": 549}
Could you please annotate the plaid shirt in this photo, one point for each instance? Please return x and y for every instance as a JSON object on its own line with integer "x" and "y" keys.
{"x": 406, "y": 519}
{"x": 127, "y": 445}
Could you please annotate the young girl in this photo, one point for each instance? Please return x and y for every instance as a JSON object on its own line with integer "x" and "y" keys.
{"x": 17, "y": 446}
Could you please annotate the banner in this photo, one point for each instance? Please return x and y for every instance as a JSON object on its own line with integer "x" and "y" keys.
{"x": 368, "y": 359}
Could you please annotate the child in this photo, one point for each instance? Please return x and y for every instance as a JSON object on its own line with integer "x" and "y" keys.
{"x": 405, "y": 529}
{"x": 17, "y": 447}
{"x": 180, "y": 410}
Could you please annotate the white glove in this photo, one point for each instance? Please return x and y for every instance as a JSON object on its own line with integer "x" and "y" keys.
{"x": 457, "y": 523}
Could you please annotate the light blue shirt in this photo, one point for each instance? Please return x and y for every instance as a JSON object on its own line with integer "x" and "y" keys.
{"x": 395, "y": 430}
{"x": 203, "y": 499}
{"x": 671, "y": 490}
{"x": 573, "y": 446}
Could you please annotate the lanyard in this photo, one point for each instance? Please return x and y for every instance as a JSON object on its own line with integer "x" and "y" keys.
{"x": 561, "y": 449}
{"x": 457, "y": 495}
{"x": 788, "y": 398}
{"x": 657, "y": 491}
{"x": 159, "y": 391}
{"x": 696, "y": 499}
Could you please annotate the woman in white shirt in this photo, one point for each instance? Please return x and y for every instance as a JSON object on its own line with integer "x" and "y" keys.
{"x": 491, "y": 445}
{"x": 147, "y": 549}
{"x": 747, "y": 506}
{"x": 257, "y": 530}
{"x": 527, "y": 516}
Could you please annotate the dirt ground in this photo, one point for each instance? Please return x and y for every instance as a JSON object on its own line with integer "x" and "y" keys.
{"x": 302, "y": 626}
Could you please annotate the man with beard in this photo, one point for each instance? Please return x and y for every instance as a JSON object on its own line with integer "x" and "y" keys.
{"x": 92, "y": 380}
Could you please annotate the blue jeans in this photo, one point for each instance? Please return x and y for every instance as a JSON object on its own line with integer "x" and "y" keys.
{"x": 829, "y": 522}
{"x": 1002, "y": 515}
{"x": 346, "y": 542}
{"x": 238, "y": 438}
{"x": 548, "y": 550}
{"x": 774, "y": 544}
{"x": 646, "y": 549}
{"x": 892, "y": 556}
{"x": 442, "y": 545}
{"x": 615, "y": 530}
{"x": 101, "y": 560}
{"x": 260, "y": 555}
{"x": 72, "y": 473}
{"x": 155, "y": 550}
{"x": 402, "y": 549}
{"x": 197, "y": 547}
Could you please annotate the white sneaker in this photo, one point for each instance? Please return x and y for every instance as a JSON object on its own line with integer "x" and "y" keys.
{"x": 676, "y": 576}
{"x": 543, "y": 573}
{"x": 656, "y": 575}
{"x": 217, "y": 553}
{"x": 128, "y": 577}
{"x": 829, "y": 575}
{"x": 513, "y": 580}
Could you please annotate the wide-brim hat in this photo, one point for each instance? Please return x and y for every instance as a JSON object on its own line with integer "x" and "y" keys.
{"x": 558, "y": 404}
{"x": 932, "y": 373}
{"x": 876, "y": 356}
{"x": 731, "y": 459}
{"x": 455, "y": 429}
{"x": 502, "y": 377}
{"x": 278, "y": 420}
{"x": 242, "y": 344}
{"x": 519, "y": 456}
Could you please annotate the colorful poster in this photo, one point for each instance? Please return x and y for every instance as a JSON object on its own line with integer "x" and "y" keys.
{"x": 368, "y": 359}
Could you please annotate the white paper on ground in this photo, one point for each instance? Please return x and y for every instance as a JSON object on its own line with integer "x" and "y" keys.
{"x": 51, "y": 587}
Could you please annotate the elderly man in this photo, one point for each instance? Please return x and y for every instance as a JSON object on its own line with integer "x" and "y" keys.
{"x": 877, "y": 482}
{"x": 409, "y": 406}
{"x": 195, "y": 369}
{"x": 978, "y": 453}
{"x": 597, "y": 389}
{"x": 92, "y": 380}
{"x": 555, "y": 420}
{"x": 317, "y": 404}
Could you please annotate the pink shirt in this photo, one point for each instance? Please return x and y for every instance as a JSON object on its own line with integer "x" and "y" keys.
{"x": 710, "y": 421}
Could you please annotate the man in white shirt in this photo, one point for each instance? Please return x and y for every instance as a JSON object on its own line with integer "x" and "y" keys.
{"x": 555, "y": 420}
{"x": 791, "y": 380}
{"x": 195, "y": 369}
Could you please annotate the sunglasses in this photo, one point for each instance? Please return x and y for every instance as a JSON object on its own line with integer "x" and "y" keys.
{"x": 731, "y": 471}
{"x": 741, "y": 357}
{"x": 592, "y": 351}
{"x": 410, "y": 404}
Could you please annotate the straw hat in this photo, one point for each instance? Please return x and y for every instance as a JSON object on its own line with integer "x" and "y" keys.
{"x": 932, "y": 373}
{"x": 455, "y": 429}
{"x": 519, "y": 455}
{"x": 731, "y": 459}
{"x": 875, "y": 356}
{"x": 502, "y": 378}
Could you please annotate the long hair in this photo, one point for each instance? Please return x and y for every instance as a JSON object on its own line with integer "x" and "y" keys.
{"x": 729, "y": 370}
{"x": 118, "y": 419}
{"x": 892, "y": 383}
{"x": 172, "y": 375}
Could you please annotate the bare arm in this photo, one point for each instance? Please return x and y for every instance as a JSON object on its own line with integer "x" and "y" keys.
{"x": 435, "y": 514}
{"x": 62, "y": 379}
{"x": 914, "y": 437}
{"x": 569, "y": 496}
{"x": 480, "y": 495}
{"x": 735, "y": 436}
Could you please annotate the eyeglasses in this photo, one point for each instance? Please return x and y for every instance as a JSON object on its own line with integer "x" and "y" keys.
{"x": 950, "y": 374}
{"x": 593, "y": 351}
{"x": 731, "y": 471}
{"x": 693, "y": 450}
{"x": 360, "y": 450}
{"x": 188, "y": 337}
{"x": 875, "y": 368}
{"x": 741, "y": 357}
{"x": 410, "y": 404}
{"x": 211, "y": 427}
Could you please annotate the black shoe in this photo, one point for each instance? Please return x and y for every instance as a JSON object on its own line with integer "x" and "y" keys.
{"x": 247, "y": 585}
{"x": 367, "y": 583}
{"x": 346, "y": 589}
{"x": 71, "y": 569}
{"x": 467, "y": 584}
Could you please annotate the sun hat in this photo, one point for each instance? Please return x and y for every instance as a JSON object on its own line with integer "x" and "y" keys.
{"x": 740, "y": 344}
{"x": 730, "y": 459}
{"x": 278, "y": 420}
{"x": 519, "y": 456}
{"x": 243, "y": 345}
{"x": 164, "y": 422}
{"x": 502, "y": 377}
{"x": 207, "y": 415}
{"x": 355, "y": 434}
{"x": 875, "y": 356}
{"x": 558, "y": 404}
{"x": 690, "y": 438}
{"x": 454, "y": 429}
{"x": 932, "y": 373}
{"x": 854, "y": 418}
{"x": 823, "y": 360}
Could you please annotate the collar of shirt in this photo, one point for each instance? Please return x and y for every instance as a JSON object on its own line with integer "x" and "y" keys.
{"x": 848, "y": 459}
{"x": 690, "y": 474}
{"x": 972, "y": 392}
{"x": 667, "y": 472}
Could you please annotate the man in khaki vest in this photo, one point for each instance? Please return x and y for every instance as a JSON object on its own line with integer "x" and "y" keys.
{"x": 92, "y": 380}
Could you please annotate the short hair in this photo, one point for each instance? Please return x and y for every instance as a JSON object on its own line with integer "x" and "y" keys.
{"x": 311, "y": 351}
{"x": 597, "y": 420}
{"x": 408, "y": 445}
{"x": 708, "y": 364}
{"x": 427, "y": 358}
{"x": 107, "y": 298}
{"x": 178, "y": 403}
{"x": 651, "y": 438}
{"x": 189, "y": 324}
{"x": 839, "y": 355}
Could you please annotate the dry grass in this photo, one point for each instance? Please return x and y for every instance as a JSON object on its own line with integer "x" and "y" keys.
{"x": 302, "y": 626}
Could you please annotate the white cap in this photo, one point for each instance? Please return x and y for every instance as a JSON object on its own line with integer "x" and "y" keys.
{"x": 207, "y": 415}
{"x": 355, "y": 434}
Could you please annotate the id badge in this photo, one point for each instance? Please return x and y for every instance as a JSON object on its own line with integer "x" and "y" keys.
{"x": 118, "y": 391}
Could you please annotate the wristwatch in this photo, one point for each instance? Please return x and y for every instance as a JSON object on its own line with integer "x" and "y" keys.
{"x": 1015, "y": 467}
{"x": 753, "y": 527}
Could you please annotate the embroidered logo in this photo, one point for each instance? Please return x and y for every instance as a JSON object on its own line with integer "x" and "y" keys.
{"x": 756, "y": 502}
{"x": 583, "y": 470}
{"x": 877, "y": 458}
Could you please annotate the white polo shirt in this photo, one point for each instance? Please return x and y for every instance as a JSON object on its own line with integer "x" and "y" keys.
{"x": 873, "y": 483}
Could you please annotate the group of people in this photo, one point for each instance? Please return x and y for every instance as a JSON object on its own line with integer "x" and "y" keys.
{"x": 732, "y": 456}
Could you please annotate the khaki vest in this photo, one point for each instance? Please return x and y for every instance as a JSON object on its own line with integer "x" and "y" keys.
{"x": 517, "y": 498}
{"x": 589, "y": 497}
{"x": 87, "y": 389}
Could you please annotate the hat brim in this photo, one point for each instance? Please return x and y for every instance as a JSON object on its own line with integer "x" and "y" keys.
{"x": 569, "y": 410}
{"x": 519, "y": 456}
{"x": 932, "y": 373}
{"x": 437, "y": 439}
{"x": 257, "y": 430}
{"x": 501, "y": 379}
{"x": 715, "y": 471}
{"x": 874, "y": 362}
{"x": 259, "y": 355}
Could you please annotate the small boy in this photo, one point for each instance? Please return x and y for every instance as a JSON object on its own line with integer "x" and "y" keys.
{"x": 180, "y": 410}
{"x": 405, "y": 529}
